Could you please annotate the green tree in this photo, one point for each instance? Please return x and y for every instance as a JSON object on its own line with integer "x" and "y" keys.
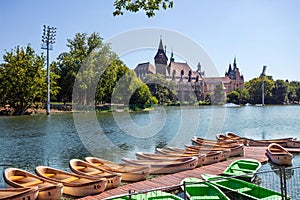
{"x": 254, "y": 86}
{"x": 163, "y": 90}
{"x": 131, "y": 90}
{"x": 279, "y": 92}
{"x": 69, "y": 63}
{"x": 233, "y": 97}
{"x": 23, "y": 79}
{"x": 149, "y": 6}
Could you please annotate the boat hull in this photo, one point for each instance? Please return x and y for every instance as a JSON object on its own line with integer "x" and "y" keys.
{"x": 74, "y": 185}
{"x": 86, "y": 169}
{"x": 197, "y": 189}
{"x": 19, "y": 193}
{"x": 243, "y": 168}
{"x": 239, "y": 189}
{"x": 48, "y": 190}
{"x": 131, "y": 173}
{"x": 166, "y": 167}
{"x": 279, "y": 155}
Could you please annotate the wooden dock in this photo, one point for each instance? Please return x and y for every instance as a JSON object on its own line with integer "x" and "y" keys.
{"x": 173, "y": 180}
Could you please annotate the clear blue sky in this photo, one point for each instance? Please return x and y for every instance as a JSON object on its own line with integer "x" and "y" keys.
{"x": 257, "y": 32}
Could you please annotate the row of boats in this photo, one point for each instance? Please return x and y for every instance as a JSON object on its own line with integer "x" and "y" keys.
{"x": 277, "y": 150}
{"x": 90, "y": 176}
{"x": 233, "y": 183}
{"x": 94, "y": 175}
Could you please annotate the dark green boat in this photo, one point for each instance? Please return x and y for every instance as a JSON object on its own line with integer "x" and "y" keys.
{"x": 239, "y": 189}
{"x": 197, "y": 189}
{"x": 153, "y": 195}
{"x": 244, "y": 168}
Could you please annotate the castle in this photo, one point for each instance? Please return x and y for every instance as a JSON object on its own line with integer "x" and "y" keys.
{"x": 188, "y": 80}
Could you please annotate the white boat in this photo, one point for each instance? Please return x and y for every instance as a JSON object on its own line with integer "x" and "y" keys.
{"x": 73, "y": 184}
{"x": 279, "y": 155}
{"x": 166, "y": 166}
{"x": 22, "y": 179}
{"x": 129, "y": 172}
{"x": 19, "y": 193}
{"x": 87, "y": 169}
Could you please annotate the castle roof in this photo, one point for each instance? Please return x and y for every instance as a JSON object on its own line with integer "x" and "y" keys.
{"x": 146, "y": 67}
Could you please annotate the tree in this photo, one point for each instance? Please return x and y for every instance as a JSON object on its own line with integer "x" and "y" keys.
{"x": 23, "y": 79}
{"x": 163, "y": 90}
{"x": 69, "y": 63}
{"x": 233, "y": 97}
{"x": 254, "y": 86}
{"x": 149, "y": 6}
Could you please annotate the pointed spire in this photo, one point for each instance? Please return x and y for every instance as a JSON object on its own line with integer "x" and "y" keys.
{"x": 229, "y": 68}
{"x": 161, "y": 46}
{"x": 234, "y": 63}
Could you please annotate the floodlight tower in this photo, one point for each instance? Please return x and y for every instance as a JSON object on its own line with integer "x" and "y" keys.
{"x": 48, "y": 39}
{"x": 263, "y": 85}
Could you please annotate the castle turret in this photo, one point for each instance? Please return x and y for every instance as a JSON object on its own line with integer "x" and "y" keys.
{"x": 161, "y": 60}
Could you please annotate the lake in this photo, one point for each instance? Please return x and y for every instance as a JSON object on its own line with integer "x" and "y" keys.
{"x": 29, "y": 141}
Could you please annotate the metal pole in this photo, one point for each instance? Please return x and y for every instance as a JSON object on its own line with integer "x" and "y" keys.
{"x": 263, "y": 90}
{"x": 48, "y": 81}
{"x": 48, "y": 39}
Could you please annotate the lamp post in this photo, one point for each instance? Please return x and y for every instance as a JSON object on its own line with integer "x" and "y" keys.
{"x": 263, "y": 85}
{"x": 48, "y": 39}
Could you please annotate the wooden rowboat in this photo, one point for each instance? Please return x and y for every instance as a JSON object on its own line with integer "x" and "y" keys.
{"x": 210, "y": 156}
{"x": 243, "y": 168}
{"x": 19, "y": 193}
{"x": 128, "y": 172}
{"x": 87, "y": 169}
{"x": 165, "y": 166}
{"x": 279, "y": 155}
{"x": 239, "y": 189}
{"x": 198, "y": 189}
{"x": 293, "y": 143}
{"x": 264, "y": 143}
{"x": 152, "y": 156}
{"x": 237, "y": 150}
{"x": 19, "y": 178}
{"x": 73, "y": 184}
{"x": 230, "y": 136}
{"x": 200, "y": 141}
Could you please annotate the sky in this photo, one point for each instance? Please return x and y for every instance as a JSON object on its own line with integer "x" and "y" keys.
{"x": 256, "y": 32}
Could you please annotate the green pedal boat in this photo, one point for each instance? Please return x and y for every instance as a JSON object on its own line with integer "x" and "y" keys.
{"x": 153, "y": 195}
{"x": 197, "y": 189}
{"x": 239, "y": 189}
{"x": 243, "y": 168}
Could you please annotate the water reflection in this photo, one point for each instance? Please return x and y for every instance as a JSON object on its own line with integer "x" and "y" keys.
{"x": 28, "y": 141}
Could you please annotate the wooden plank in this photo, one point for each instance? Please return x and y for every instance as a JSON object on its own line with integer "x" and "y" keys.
{"x": 171, "y": 180}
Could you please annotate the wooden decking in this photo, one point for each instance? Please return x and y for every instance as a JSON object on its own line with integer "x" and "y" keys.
{"x": 173, "y": 180}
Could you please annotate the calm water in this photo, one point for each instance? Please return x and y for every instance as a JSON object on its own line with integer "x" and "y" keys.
{"x": 29, "y": 141}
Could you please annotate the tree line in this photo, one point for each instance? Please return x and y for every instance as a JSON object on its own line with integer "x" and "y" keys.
{"x": 89, "y": 63}
{"x": 90, "y": 73}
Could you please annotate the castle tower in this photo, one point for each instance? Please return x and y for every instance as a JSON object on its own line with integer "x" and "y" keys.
{"x": 161, "y": 59}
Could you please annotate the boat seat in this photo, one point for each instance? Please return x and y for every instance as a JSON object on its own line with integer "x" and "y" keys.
{"x": 93, "y": 173}
{"x": 246, "y": 163}
{"x": 244, "y": 189}
{"x": 49, "y": 175}
{"x": 80, "y": 167}
{"x": 70, "y": 179}
{"x": 243, "y": 170}
{"x": 32, "y": 183}
{"x": 16, "y": 178}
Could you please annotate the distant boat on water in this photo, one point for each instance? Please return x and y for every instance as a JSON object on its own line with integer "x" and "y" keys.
{"x": 231, "y": 105}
